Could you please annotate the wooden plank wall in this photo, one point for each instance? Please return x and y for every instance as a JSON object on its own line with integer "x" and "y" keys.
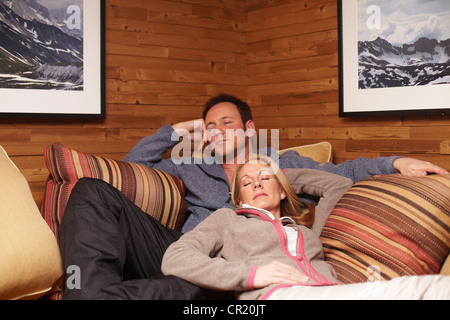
{"x": 165, "y": 58}
{"x": 292, "y": 64}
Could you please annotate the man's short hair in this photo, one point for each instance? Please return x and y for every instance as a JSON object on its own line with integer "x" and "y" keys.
{"x": 243, "y": 108}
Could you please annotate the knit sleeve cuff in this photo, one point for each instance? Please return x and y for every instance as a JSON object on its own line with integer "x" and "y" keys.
{"x": 251, "y": 278}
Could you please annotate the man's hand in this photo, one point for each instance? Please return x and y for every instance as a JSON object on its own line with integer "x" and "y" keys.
{"x": 194, "y": 129}
{"x": 277, "y": 273}
{"x": 416, "y": 168}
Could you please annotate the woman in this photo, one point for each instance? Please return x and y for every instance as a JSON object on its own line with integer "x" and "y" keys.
{"x": 266, "y": 249}
{"x": 241, "y": 250}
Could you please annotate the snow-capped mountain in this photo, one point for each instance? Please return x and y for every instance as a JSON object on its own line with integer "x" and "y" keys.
{"x": 35, "y": 43}
{"x": 28, "y": 45}
{"x": 381, "y": 65}
{"x": 31, "y": 10}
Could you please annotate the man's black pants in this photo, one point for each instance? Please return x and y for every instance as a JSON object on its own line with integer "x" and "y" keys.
{"x": 118, "y": 249}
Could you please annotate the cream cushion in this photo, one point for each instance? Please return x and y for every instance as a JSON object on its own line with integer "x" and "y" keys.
{"x": 30, "y": 260}
{"x": 320, "y": 152}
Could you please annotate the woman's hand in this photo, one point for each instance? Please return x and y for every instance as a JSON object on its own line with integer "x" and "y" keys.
{"x": 277, "y": 273}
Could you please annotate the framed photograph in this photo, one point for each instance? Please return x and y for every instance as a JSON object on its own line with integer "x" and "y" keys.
{"x": 394, "y": 57}
{"x": 52, "y": 58}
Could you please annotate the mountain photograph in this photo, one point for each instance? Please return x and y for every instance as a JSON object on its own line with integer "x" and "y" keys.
{"x": 403, "y": 45}
{"x": 38, "y": 47}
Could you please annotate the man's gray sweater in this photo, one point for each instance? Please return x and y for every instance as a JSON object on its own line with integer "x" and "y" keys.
{"x": 207, "y": 187}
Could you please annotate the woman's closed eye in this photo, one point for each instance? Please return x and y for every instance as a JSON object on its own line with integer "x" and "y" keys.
{"x": 265, "y": 175}
{"x": 246, "y": 183}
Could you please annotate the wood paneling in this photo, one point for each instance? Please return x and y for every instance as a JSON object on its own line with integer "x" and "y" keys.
{"x": 165, "y": 58}
{"x": 293, "y": 84}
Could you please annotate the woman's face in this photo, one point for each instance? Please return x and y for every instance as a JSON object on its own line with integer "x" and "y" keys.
{"x": 258, "y": 187}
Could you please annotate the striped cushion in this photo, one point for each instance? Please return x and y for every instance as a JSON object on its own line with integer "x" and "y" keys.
{"x": 157, "y": 193}
{"x": 389, "y": 226}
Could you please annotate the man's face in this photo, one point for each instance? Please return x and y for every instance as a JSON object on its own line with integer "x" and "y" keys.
{"x": 225, "y": 130}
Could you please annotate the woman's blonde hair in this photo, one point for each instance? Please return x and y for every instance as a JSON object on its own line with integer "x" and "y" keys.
{"x": 291, "y": 206}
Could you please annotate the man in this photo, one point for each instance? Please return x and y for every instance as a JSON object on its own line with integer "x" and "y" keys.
{"x": 119, "y": 249}
{"x": 224, "y": 114}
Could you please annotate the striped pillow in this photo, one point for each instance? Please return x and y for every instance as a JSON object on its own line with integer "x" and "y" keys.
{"x": 389, "y": 226}
{"x": 157, "y": 193}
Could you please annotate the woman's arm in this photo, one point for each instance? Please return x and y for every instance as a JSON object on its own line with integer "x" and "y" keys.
{"x": 193, "y": 256}
{"x": 329, "y": 187}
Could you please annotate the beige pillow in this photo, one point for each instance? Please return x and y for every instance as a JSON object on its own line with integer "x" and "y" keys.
{"x": 321, "y": 152}
{"x": 30, "y": 261}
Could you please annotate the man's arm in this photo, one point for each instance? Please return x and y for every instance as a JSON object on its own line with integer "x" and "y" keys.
{"x": 150, "y": 150}
{"x": 362, "y": 168}
{"x": 355, "y": 170}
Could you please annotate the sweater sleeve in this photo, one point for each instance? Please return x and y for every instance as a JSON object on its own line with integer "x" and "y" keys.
{"x": 196, "y": 256}
{"x": 150, "y": 150}
{"x": 329, "y": 187}
{"x": 355, "y": 170}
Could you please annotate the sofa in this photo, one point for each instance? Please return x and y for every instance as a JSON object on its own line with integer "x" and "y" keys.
{"x": 384, "y": 226}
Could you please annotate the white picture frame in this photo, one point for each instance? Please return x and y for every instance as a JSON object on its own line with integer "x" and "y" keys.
{"x": 84, "y": 98}
{"x": 390, "y": 96}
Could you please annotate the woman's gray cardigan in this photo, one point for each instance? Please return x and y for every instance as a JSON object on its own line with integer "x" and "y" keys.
{"x": 223, "y": 252}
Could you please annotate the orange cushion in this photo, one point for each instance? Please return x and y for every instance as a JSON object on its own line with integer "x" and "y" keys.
{"x": 390, "y": 226}
{"x": 157, "y": 193}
